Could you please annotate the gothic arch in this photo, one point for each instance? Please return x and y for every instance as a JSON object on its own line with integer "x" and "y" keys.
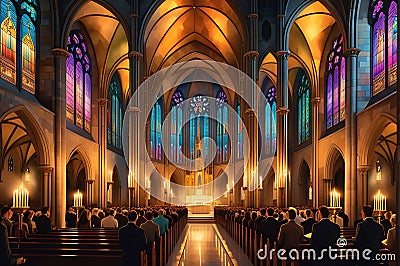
{"x": 85, "y": 158}
{"x": 367, "y": 144}
{"x": 37, "y": 135}
{"x": 333, "y": 154}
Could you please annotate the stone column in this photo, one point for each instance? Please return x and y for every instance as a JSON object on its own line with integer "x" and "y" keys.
{"x": 47, "y": 189}
{"x": 134, "y": 149}
{"x": 350, "y": 191}
{"x": 58, "y": 207}
{"x": 102, "y": 177}
{"x": 362, "y": 185}
{"x": 327, "y": 189}
{"x": 315, "y": 162}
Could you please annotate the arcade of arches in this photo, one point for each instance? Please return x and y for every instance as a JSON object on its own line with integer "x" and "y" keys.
{"x": 69, "y": 69}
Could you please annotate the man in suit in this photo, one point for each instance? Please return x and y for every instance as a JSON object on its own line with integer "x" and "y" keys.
{"x": 161, "y": 221}
{"x": 345, "y": 218}
{"x": 258, "y": 221}
{"x": 291, "y": 233}
{"x": 141, "y": 219}
{"x": 325, "y": 233}
{"x": 309, "y": 222}
{"x": 132, "y": 240}
{"x": 70, "y": 218}
{"x": 6, "y": 213}
{"x": 369, "y": 234}
{"x": 6, "y": 259}
{"x": 270, "y": 228}
{"x": 152, "y": 232}
{"x": 43, "y": 223}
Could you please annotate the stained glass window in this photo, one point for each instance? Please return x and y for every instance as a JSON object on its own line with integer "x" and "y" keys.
{"x": 392, "y": 43}
{"x": 28, "y": 53}
{"x": 199, "y": 126}
{"x": 303, "y": 107}
{"x": 335, "y": 84}
{"x": 270, "y": 121}
{"x": 240, "y": 146}
{"x": 222, "y": 127}
{"x": 78, "y": 82}
{"x": 114, "y": 114}
{"x": 383, "y": 20}
{"x": 176, "y": 125}
{"x": 155, "y": 131}
{"x": 8, "y": 17}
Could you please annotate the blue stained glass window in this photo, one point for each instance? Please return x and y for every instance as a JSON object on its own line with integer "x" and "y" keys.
{"x": 8, "y": 18}
{"x": 270, "y": 121}
{"x": 240, "y": 146}
{"x": 199, "y": 125}
{"x": 78, "y": 82}
{"x": 303, "y": 107}
{"x": 114, "y": 114}
{"x": 155, "y": 131}
{"x": 222, "y": 127}
{"x": 176, "y": 126}
{"x": 392, "y": 43}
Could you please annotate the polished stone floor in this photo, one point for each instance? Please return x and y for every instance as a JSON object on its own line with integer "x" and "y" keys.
{"x": 205, "y": 245}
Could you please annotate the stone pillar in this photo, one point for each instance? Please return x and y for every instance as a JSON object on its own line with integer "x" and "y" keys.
{"x": 351, "y": 207}
{"x": 58, "y": 207}
{"x": 315, "y": 162}
{"x": 102, "y": 176}
{"x": 134, "y": 150}
{"x": 282, "y": 175}
{"x": 47, "y": 188}
{"x": 362, "y": 185}
{"x": 327, "y": 189}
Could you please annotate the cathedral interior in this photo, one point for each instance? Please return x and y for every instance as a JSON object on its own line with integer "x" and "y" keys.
{"x": 327, "y": 69}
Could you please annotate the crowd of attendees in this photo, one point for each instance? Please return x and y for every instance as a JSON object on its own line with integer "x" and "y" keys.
{"x": 145, "y": 225}
{"x": 288, "y": 228}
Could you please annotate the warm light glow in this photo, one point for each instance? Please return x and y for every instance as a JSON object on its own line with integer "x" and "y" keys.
{"x": 131, "y": 178}
{"x": 334, "y": 199}
{"x": 261, "y": 180}
{"x": 379, "y": 202}
{"x": 21, "y": 197}
{"x": 78, "y": 199}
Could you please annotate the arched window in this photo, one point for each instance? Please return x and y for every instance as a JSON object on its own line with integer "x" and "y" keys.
{"x": 19, "y": 38}
{"x": 78, "y": 82}
{"x": 10, "y": 164}
{"x": 270, "y": 122}
{"x": 335, "y": 85}
{"x": 240, "y": 146}
{"x": 199, "y": 127}
{"x": 114, "y": 113}
{"x": 176, "y": 126}
{"x": 155, "y": 131}
{"x": 303, "y": 107}
{"x": 383, "y": 20}
{"x": 222, "y": 127}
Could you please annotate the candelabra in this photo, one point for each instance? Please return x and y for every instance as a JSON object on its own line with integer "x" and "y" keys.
{"x": 20, "y": 205}
{"x": 334, "y": 204}
{"x": 379, "y": 205}
{"x": 78, "y": 205}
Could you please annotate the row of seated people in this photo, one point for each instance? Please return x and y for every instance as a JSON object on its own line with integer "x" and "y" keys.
{"x": 110, "y": 244}
{"x": 286, "y": 229}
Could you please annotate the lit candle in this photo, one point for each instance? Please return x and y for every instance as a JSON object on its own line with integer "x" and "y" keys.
{"x": 261, "y": 185}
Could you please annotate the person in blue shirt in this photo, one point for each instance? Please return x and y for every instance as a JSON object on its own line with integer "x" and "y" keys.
{"x": 161, "y": 221}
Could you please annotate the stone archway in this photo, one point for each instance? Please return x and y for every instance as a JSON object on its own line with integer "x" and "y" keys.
{"x": 116, "y": 188}
{"x": 76, "y": 177}
{"x": 304, "y": 185}
{"x": 23, "y": 156}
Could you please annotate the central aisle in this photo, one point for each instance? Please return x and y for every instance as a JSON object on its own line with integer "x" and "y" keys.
{"x": 204, "y": 245}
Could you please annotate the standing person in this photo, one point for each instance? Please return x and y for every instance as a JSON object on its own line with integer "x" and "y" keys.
{"x": 152, "y": 232}
{"x": 259, "y": 219}
{"x": 291, "y": 233}
{"x": 141, "y": 219}
{"x": 325, "y": 233}
{"x": 109, "y": 221}
{"x": 369, "y": 233}
{"x": 6, "y": 258}
{"x": 386, "y": 222}
{"x": 270, "y": 228}
{"x": 132, "y": 240}
{"x": 161, "y": 221}
{"x": 43, "y": 223}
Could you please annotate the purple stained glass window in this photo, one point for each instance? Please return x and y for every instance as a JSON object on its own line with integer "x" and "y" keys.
{"x": 177, "y": 98}
{"x": 379, "y": 54}
{"x": 222, "y": 135}
{"x": 377, "y": 7}
{"x": 335, "y": 84}
{"x": 78, "y": 82}
{"x": 392, "y": 43}
{"x": 270, "y": 118}
{"x": 88, "y": 102}
{"x": 69, "y": 80}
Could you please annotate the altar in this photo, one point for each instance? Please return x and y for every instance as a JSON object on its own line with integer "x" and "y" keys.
{"x": 199, "y": 209}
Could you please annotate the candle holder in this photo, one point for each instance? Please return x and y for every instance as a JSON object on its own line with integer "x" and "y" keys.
{"x": 334, "y": 211}
{"x": 379, "y": 205}
{"x": 20, "y": 213}
{"x": 77, "y": 209}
